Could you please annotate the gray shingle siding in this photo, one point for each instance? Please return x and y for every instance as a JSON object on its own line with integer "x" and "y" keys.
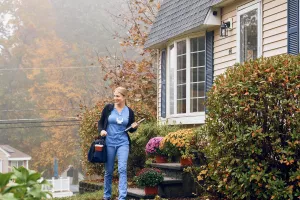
{"x": 176, "y": 17}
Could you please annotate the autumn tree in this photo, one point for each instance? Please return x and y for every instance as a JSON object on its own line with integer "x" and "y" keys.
{"x": 135, "y": 73}
{"x": 48, "y": 74}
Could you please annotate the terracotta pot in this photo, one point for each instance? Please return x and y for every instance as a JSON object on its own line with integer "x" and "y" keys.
{"x": 160, "y": 159}
{"x": 186, "y": 161}
{"x": 151, "y": 190}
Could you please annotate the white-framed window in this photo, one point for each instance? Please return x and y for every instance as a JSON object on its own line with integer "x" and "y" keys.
{"x": 249, "y": 27}
{"x": 186, "y": 77}
{"x": 15, "y": 163}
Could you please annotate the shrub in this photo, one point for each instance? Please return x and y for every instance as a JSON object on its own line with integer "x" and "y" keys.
{"x": 253, "y": 126}
{"x": 179, "y": 143}
{"x": 139, "y": 139}
{"x": 22, "y": 184}
{"x": 149, "y": 177}
{"x": 88, "y": 132}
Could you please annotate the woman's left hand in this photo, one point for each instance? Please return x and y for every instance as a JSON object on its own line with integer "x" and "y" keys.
{"x": 134, "y": 125}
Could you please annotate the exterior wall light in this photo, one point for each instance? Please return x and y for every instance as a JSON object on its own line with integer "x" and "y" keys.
{"x": 224, "y": 29}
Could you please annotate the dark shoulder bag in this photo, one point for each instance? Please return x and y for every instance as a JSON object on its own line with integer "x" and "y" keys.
{"x": 98, "y": 151}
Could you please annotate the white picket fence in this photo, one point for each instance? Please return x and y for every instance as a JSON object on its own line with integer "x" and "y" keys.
{"x": 60, "y": 187}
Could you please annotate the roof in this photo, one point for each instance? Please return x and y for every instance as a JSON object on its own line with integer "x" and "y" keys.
{"x": 14, "y": 153}
{"x": 176, "y": 17}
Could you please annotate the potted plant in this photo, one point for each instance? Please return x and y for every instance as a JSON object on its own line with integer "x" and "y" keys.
{"x": 149, "y": 178}
{"x": 180, "y": 143}
{"x": 152, "y": 149}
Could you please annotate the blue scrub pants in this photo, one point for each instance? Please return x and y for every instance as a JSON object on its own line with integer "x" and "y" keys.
{"x": 122, "y": 154}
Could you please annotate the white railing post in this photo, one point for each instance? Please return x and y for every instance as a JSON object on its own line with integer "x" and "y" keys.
{"x": 61, "y": 184}
{"x": 52, "y": 184}
{"x": 69, "y": 183}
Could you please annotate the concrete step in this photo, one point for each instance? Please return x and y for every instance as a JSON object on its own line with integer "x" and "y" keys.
{"x": 169, "y": 188}
{"x": 176, "y": 184}
{"x": 181, "y": 183}
{"x": 138, "y": 193}
{"x": 172, "y": 166}
{"x": 173, "y": 170}
{"x": 171, "y": 180}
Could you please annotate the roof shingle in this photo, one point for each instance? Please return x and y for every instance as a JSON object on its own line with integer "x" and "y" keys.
{"x": 176, "y": 17}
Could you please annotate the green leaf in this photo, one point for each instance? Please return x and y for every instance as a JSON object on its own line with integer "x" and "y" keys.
{"x": 8, "y": 196}
{"x": 4, "y": 179}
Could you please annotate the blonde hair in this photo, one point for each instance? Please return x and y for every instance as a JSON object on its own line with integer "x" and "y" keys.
{"x": 121, "y": 90}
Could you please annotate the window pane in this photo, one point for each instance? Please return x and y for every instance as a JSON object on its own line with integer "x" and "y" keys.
{"x": 201, "y": 43}
{"x": 181, "y": 47}
{"x": 172, "y": 67}
{"x": 201, "y": 74}
{"x": 193, "y": 105}
{"x": 181, "y": 91}
{"x": 194, "y": 60}
{"x": 194, "y": 90}
{"x": 13, "y": 164}
{"x": 200, "y": 89}
{"x": 181, "y": 106}
{"x": 201, "y": 104}
{"x": 201, "y": 58}
{"x": 20, "y": 163}
{"x": 181, "y": 77}
{"x": 194, "y": 75}
{"x": 181, "y": 62}
{"x": 248, "y": 40}
{"x": 194, "y": 45}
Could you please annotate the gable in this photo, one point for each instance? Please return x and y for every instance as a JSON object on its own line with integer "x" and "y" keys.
{"x": 13, "y": 154}
{"x": 3, "y": 154}
{"x": 177, "y": 17}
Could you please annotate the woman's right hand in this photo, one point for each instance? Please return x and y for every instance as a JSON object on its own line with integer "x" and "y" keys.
{"x": 103, "y": 133}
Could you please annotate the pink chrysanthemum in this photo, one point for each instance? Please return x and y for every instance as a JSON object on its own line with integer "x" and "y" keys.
{"x": 153, "y": 145}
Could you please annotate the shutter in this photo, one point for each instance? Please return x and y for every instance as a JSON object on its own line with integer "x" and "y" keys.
{"x": 209, "y": 60}
{"x": 163, "y": 83}
{"x": 293, "y": 27}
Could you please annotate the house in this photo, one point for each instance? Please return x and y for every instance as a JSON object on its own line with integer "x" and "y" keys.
{"x": 192, "y": 50}
{"x": 11, "y": 157}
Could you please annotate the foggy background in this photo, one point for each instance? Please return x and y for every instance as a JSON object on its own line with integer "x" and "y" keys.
{"x": 49, "y": 52}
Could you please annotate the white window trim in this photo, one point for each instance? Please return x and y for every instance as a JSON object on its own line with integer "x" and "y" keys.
{"x": 184, "y": 118}
{"x": 13, "y": 160}
{"x": 242, "y": 10}
{"x": 19, "y": 159}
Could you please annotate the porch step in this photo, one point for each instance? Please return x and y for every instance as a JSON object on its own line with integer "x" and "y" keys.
{"x": 172, "y": 166}
{"x": 173, "y": 170}
{"x": 137, "y": 193}
{"x": 184, "y": 186}
{"x": 176, "y": 184}
{"x": 171, "y": 180}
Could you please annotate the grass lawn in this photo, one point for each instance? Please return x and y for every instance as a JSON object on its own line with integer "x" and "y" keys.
{"x": 86, "y": 196}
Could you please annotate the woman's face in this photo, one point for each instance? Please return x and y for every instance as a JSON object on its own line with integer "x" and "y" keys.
{"x": 118, "y": 98}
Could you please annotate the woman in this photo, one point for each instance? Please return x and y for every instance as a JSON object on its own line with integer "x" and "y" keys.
{"x": 115, "y": 118}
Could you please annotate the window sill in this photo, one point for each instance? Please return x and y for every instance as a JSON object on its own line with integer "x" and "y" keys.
{"x": 195, "y": 118}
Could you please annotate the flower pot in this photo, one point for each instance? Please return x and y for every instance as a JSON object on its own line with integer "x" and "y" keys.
{"x": 160, "y": 159}
{"x": 186, "y": 161}
{"x": 151, "y": 190}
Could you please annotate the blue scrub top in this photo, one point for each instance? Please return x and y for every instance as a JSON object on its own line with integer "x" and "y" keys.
{"x": 117, "y": 123}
